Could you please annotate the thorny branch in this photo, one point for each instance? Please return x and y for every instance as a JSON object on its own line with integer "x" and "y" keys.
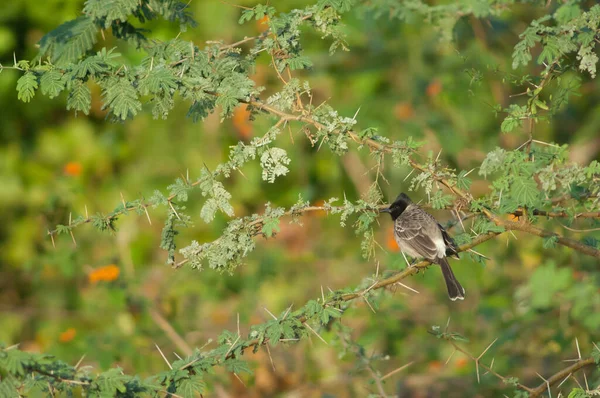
{"x": 464, "y": 196}
{"x": 305, "y": 117}
{"x": 385, "y": 282}
{"x": 533, "y": 391}
{"x": 337, "y": 300}
{"x": 374, "y": 145}
{"x": 560, "y": 376}
{"x": 486, "y": 367}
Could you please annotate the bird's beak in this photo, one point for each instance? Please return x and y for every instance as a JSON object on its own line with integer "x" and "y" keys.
{"x": 386, "y": 210}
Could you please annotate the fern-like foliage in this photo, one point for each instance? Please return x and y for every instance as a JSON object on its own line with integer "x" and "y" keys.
{"x": 69, "y": 42}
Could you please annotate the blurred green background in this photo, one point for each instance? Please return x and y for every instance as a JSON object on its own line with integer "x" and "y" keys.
{"x": 111, "y": 297}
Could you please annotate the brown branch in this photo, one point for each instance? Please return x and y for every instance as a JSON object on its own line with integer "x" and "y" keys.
{"x": 125, "y": 210}
{"x": 488, "y": 368}
{"x": 238, "y": 43}
{"x": 533, "y": 230}
{"x": 170, "y": 332}
{"x": 559, "y": 376}
{"x": 372, "y": 144}
{"x": 461, "y": 194}
{"x": 378, "y": 382}
{"x": 558, "y": 214}
{"x": 509, "y": 225}
{"x": 389, "y": 281}
{"x": 533, "y": 391}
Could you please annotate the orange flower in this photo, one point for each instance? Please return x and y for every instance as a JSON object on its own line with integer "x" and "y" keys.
{"x": 434, "y": 88}
{"x": 461, "y": 363}
{"x": 390, "y": 242}
{"x": 434, "y": 366}
{"x": 241, "y": 122}
{"x": 263, "y": 24}
{"x": 67, "y": 335}
{"x": 73, "y": 169}
{"x": 404, "y": 111}
{"x": 107, "y": 273}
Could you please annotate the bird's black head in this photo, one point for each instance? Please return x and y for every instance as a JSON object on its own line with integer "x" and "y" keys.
{"x": 398, "y": 206}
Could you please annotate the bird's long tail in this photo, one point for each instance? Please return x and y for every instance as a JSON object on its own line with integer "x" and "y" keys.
{"x": 455, "y": 290}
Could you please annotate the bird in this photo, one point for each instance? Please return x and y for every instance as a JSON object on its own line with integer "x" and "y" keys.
{"x": 419, "y": 235}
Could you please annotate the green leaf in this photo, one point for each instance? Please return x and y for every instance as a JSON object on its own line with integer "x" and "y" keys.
{"x": 462, "y": 182}
{"x": 509, "y": 124}
{"x": 227, "y": 337}
{"x": 578, "y": 393}
{"x": 109, "y": 11}
{"x": 208, "y": 211}
{"x": 162, "y": 105}
{"x": 159, "y": 80}
{"x": 588, "y": 59}
{"x": 512, "y": 381}
{"x": 369, "y": 132}
{"x": 89, "y": 66}
{"x": 525, "y": 191}
{"x": 112, "y": 381}
{"x": 62, "y": 229}
{"x": 167, "y": 239}
{"x": 549, "y": 53}
{"x": 179, "y": 190}
{"x": 274, "y": 162}
{"x": 300, "y": 62}
{"x": 457, "y": 337}
{"x": 192, "y": 387}
{"x": 567, "y": 12}
{"x": 483, "y": 226}
{"x": 274, "y": 332}
{"x": 26, "y": 86}
{"x": 591, "y": 241}
{"x": 12, "y": 361}
{"x": 493, "y": 162}
{"x": 9, "y": 388}
{"x": 541, "y": 104}
{"x": 596, "y": 353}
{"x": 258, "y": 12}
{"x": 521, "y": 55}
{"x": 102, "y": 222}
{"x": 52, "y": 83}
{"x": 236, "y": 366}
{"x": 437, "y": 332}
{"x": 312, "y": 308}
{"x": 289, "y": 327}
{"x": 364, "y": 221}
{"x": 328, "y": 313}
{"x": 121, "y": 98}
{"x": 270, "y": 227}
{"x": 550, "y": 242}
{"x": 228, "y": 103}
{"x": 520, "y": 394}
{"x": 441, "y": 201}
{"x": 69, "y": 41}
{"x": 80, "y": 97}
{"x": 247, "y": 15}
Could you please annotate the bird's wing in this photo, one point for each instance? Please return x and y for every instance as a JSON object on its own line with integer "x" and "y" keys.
{"x": 420, "y": 231}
